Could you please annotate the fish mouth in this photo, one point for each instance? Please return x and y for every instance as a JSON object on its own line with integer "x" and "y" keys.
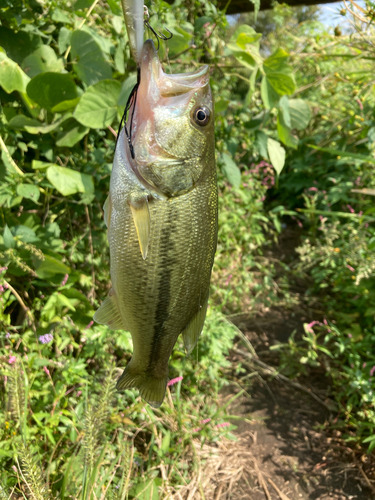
{"x": 170, "y": 85}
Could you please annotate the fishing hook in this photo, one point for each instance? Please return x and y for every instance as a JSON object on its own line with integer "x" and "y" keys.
{"x": 159, "y": 35}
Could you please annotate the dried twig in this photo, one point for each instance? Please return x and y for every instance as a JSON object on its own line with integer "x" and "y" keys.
{"x": 276, "y": 374}
{"x": 278, "y": 491}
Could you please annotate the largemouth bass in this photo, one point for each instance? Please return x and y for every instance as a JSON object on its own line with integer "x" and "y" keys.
{"x": 161, "y": 215}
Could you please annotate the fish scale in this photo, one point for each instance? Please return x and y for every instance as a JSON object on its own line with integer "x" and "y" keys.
{"x": 162, "y": 226}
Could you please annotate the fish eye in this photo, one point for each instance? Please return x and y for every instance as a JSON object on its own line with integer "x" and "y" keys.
{"x": 201, "y": 115}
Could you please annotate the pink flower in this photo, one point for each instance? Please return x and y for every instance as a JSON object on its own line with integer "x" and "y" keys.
{"x": 89, "y": 325}
{"x": 372, "y": 371}
{"x": 352, "y": 211}
{"x": 313, "y": 189}
{"x": 206, "y": 420}
{"x": 2, "y": 269}
{"x": 1, "y": 288}
{"x": 15, "y": 469}
{"x": 360, "y": 213}
{"x": 228, "y": 279}
{"x": 46, "y": 370}
{"x": 174, "y": 381}
{"x": 309, "y": 326}
{"x": 350, "y": 335}
{"x": 224, "y": 424}
{"x": 325, "y": 322}
{"x": 12, "y": 360}
{"x": 197, "y": 429}
{"x": 66, "y": 277}
{"x": 79, "y": 393}
{"x": 358, "y": 181}
{"x": 364, "y": 365}
{"x": 350, "y": 268}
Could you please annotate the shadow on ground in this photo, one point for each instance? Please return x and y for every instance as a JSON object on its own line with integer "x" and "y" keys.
{"x": 288, "y": 435}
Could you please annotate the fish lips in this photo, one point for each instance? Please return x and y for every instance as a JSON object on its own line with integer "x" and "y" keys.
{"x": 156, "y": 84}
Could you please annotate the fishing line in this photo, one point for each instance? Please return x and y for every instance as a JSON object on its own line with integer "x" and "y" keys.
{"x": 132, "y": 99}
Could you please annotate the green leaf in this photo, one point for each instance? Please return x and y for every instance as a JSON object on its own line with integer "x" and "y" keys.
{"x": 8, "y": 239}
{"x": 18, "y": 45}
{"x": 276, "y": 154}
{"x": 25, "y": 233}
{"x": 40, "y": 165}
{"x": 126, "y": 88}
{"x": 277, "y": 62}
{"x": 19, "y": 122}
{"x": 82, "y": 4}
{"x": 180, "y": 40}
{"x": 300, "y": 113}
{"x": 285, "y": 134}
{"x": 146, "y": 491}
{"x": 98, "y": 105}
{"x": 49, "y": 267}
{"x": 59, "y": 16}
{"x": 231, "y": 170}
{"x": 284, "y": 108}
{"x": 261, "y": 143}
{"x": 28, "y": 191}
{"x": 72, "y": 133}
{"x": 245, "y": 34}
{"x": 49, "y": 58}
{"x": 67, "y": 181}
{"x": 64, "y": 39}
{"x": 50, "y": 89}
{"x": 344, "y": 154}
{"x": 269, "y": 96}
{"x": 90, "y": 64}
{"x": 115, "y": 7}
{"x": 65, "y": 105}
{"x": 11, "y": 75}
{"x": 283, "y": 84}
{"x": 33, "y": 65}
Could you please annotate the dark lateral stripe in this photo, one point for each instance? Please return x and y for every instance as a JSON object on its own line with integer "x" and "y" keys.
{"x": 164, "y": 290}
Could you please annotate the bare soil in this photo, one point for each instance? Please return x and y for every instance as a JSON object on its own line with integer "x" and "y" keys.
{"x": 297, "y": 455}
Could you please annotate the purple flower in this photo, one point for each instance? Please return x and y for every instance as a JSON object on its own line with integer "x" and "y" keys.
{"x": 46, "y": 339}
{"x": 224, "y": 424}
{"x": 174, "y": 381}
{"x": 7, "y": 335}
{"x": 66, "y": 277}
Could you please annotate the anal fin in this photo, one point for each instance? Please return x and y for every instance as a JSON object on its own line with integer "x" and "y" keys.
{"x": 192, "y": 331}
{"x": 141, "y": 217}
{"x": 109, "y": 314}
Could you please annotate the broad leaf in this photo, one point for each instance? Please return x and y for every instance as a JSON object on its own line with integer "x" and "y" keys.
{"x": 12, "y": 77}
{"x": 49, "y": 89}
{"x": 98, "y": 105}
{"x": 269, "y": 95}
{"x": 261, "y": 143}
{"x": 277, "y": 155}
{"x": 18, "y": 45}
{"x": 8, "y": 239}
{"x": 28, "y": 191}
{"x": 49, "y": 267}
{"x": 67, "y": 181}
{"x": 283, "y": 84}
{"x": 284, "y": 108}
{"x": 89, "y": 62}
{"x": 285, "y": 134}
{"x": 231, "y": 171}
{"x": 300, "y": 113}
{"x": 72, "y": 133}
{"x": 277, "y": 62}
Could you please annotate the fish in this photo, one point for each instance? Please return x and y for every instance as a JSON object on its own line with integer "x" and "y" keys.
{"x": 162, "y": 216}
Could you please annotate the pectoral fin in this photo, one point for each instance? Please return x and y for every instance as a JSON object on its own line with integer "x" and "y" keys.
{"x": 141, "y": 217}
{"x": 107, "y": 208}
{"x": 109, "y": 314}
{"x": 192, "y": 331}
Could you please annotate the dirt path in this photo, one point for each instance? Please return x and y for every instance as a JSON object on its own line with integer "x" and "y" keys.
{"x": 287, "y": 435}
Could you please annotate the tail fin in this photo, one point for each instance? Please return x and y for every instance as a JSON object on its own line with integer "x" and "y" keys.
{"x": 150, "y": 388}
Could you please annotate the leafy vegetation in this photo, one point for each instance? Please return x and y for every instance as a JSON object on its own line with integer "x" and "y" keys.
{"x": 295, "y": 136}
